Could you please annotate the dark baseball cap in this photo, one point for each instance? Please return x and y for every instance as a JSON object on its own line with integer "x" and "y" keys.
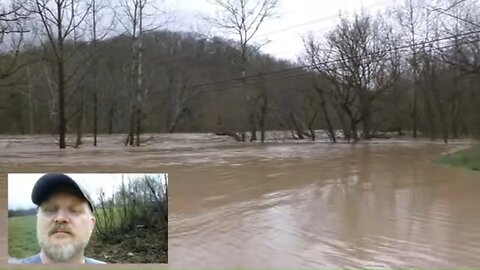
{"x": 51, "y": 183}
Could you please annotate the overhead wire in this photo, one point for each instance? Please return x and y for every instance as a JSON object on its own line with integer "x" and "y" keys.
{"x": 264, "y": 75}
{"x": 239, "y": 86}
{"x": 281, "y": 30}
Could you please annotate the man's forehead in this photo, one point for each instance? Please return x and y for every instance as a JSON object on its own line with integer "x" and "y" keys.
{"x": 64, "y": 197}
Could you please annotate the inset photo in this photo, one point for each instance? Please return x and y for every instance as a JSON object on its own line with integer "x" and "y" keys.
{"x": 87, "y": 218}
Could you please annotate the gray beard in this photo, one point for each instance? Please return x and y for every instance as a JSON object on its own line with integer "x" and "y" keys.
{"x": 62, "y": 253}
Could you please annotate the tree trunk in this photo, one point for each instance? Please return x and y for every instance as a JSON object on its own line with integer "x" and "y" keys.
{"x": 253, "y": 126}
{"x": 353, "y": 124}
{"x": 298, "y": 129}
{"x": 138, "y": 115}
{"x": 62, "y": 122}
{"x": 456, "y": 102}
{"x": 345, "y": 128}
{"x": 95, "y": 68}
{"x": 415, "y": 108}
{"x": 367, "y": 123}
{"x": 30, "y": 103}
{"x": 456, "y": 105}
{"x": 263, "y": 114}
{"x": 323, "y": 105}
{"x": 95, "y": 126}
{"x": 311, "y": 124}
{"x": 139, "y": 100}
{"x": 80, "y": 119}
{"x": 354, "y": 131}
{"x": 443, "y": 119}
{"x": 131, "y": 132}
{"x": 366, "y": 113}
{"x": 430, "y": 117}
{"x": 173, "y": 125}
{"x": 111, "y": 114}
{"x": 439, "y": 104}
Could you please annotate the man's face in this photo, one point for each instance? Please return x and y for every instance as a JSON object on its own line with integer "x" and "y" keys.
{"x": 64, "y": 226}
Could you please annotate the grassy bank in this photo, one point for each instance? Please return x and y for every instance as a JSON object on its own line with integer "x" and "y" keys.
{"x": 469, "y": 159}
{"x": 22, "y": 236}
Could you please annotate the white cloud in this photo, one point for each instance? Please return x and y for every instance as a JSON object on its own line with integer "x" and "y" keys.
{"x": 20, "y": 185}
{"x": 297, "y": 18}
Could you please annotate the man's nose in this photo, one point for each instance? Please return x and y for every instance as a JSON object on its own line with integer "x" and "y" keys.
{"x": 61, "y": 217}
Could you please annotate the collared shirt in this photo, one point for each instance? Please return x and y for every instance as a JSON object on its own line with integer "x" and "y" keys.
{"x": 36, "y": 259}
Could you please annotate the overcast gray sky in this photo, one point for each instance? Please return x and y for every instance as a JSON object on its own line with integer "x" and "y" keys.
{"x": 20, "y": 185}
{"x": 297, "y": 18}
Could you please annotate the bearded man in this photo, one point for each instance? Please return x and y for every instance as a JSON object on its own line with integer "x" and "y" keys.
{"x": 65, "y": 221}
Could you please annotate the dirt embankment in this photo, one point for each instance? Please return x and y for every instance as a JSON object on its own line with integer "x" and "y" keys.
{"x": 142, "y": 245}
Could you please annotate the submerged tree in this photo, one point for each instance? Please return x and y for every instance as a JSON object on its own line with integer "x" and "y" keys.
{"x": 360, "y": 62}
{"x": 243, "y": 19}
{"x": 60, "y": 19}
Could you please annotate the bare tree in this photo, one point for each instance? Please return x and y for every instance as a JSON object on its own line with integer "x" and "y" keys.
{"x": 174, "y": 85}
{"x": 430, "y": 70}
{"x": 14, "y": 61}
{"x": 411, "y": 18}
{"x": 181, "y": 95}
{"x": 13, "y": 17}
{"x": 100, "y": 25}
{"x": 243, "y": 19}
{"x": 322, "y": 94}
{"x": 464, "y": 53}
{"x": 135, "y": 23}
{"x": 262, "y": 102}
{"x": 459, "y": 61}
{"x": 60, "y": 19}
{"x": 134, "y": 11}
{"x": 360, "y": 63}
{"x": 95, "y": 95}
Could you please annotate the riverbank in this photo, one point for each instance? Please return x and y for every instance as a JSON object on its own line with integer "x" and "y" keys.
{"x": 468, "y": 158}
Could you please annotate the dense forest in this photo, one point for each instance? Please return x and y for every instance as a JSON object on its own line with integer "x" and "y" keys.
{"x": 413, "y": 69}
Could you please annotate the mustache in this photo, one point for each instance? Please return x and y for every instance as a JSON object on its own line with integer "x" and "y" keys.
{"x": 60, "y": 228}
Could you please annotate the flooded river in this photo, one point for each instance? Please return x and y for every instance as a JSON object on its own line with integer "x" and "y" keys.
{"x": 293, "y": 204}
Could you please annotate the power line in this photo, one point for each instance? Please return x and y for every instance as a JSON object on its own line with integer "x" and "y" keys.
{"x": 453, "y": 16}
{"x": 238, "y": 86}
{"x": 311, "y": 22}
{"x": 298, "y": 68}
{"x": 455, "y": 4}
{"x": 298, "y": 25}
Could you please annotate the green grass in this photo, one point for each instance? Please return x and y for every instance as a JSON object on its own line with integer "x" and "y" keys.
{"x": 469, "y": 159}
{"x": 22, "y": 236}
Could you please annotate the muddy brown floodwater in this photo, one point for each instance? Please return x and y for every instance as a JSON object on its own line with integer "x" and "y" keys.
{"x": 292, "y": 204}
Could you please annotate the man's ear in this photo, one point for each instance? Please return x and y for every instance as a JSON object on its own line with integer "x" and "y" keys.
{"x": 94, "y": 221}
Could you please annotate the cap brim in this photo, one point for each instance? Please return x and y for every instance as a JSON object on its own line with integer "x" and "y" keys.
{"x": 49, "y": 183}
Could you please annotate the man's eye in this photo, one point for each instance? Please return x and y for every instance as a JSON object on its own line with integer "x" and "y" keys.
{"x": 49, "y": 209}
